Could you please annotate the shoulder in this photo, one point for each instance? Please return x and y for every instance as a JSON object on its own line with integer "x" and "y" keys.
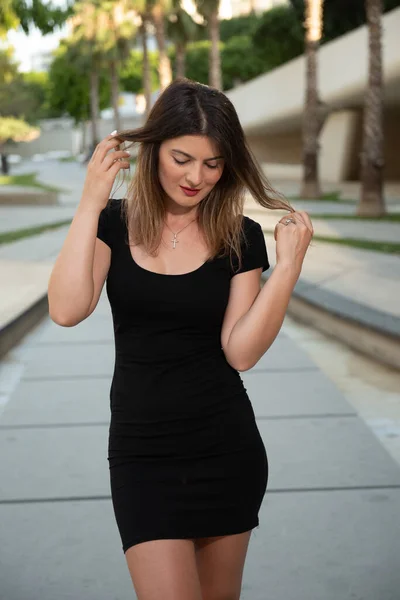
{"x": 113, "y": 208}
{"x": 250, "y": 227}
{"x": 110, "y": 221}
{"x": 253, "y": 247}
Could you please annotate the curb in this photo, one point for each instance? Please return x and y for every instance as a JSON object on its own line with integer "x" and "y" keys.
{"x": 15, "y": 330}
{"x": 367, "y": 330}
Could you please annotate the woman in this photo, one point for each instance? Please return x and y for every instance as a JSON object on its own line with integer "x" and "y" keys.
{"x": 188, "y": 468}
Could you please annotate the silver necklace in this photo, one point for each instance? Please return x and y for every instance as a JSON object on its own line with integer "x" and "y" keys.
{"x": 175, "y": 240}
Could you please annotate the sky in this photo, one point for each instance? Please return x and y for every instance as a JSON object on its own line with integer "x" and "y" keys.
{"x": 28, "y": 46}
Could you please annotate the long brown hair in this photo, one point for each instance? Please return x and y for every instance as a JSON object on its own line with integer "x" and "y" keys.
{"x": 187, "y": 107}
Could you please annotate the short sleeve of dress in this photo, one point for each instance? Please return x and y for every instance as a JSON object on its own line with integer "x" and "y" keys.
{"x": 254, "y": 252}
{"x": 105, "y": 228}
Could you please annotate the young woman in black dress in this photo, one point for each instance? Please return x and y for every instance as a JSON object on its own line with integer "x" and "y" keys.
{"x": 188, "y": 467}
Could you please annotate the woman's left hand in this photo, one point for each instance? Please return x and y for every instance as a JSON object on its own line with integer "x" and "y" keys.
{"x": 293, "y": 235}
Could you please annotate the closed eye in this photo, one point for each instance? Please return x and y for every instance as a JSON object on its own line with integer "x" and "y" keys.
{"x": 178, "y": 162}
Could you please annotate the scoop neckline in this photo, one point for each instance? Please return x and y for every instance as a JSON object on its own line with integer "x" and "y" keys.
{"x": 165, "y": 274}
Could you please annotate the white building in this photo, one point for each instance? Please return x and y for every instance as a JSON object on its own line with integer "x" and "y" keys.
{"x": 270, "y": 107}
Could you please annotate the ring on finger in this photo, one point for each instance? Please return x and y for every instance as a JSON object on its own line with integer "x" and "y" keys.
{"x": 287, "y": 221}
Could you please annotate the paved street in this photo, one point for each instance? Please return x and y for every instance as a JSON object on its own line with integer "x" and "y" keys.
{"x": 326, "y": 523}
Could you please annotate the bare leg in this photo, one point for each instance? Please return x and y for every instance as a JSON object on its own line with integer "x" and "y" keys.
{"x": 220, "y": 565}
{"x": 164, "y": 569}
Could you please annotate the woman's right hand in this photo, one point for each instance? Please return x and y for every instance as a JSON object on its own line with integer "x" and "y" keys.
{"x": 102, "y": 170}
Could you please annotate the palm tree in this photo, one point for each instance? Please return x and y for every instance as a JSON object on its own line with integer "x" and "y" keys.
{"x": 146, "y": 77}
{"x": 117, "y": 27}
{"x": 158, "y": 10}
{"x": 311, "y": 115}
{"x": 85, "y": 38}
{"x": 372, "y": 159}
{"x": 181, "y": 29}
{"x": 209, "y": 9}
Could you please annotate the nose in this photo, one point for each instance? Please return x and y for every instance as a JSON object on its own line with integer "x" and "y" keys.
{"x": 193, "y": 176}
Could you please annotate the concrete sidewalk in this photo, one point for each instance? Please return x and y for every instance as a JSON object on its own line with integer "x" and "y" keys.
{"x": 327, "y": 523}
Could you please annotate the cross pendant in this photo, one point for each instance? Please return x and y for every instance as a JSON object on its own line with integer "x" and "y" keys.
{"x": 174, "y": 241}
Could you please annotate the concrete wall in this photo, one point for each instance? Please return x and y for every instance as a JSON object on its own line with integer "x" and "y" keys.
{"x": 274, "y": 101}
{"x": 279, "y": 148}
{"x": 270, "y": 107}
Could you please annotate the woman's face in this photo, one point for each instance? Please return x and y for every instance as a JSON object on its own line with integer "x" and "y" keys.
{"x": 190, "y": 161}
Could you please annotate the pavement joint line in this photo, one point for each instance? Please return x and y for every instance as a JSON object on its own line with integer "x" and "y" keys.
{"x": 107, "y": 423}
{"x": 357, "y": 488}
{"x": 285, "y": 370}
{"x": 98, "y": 376}
{"x": 52, "y": 425}
{"x": 68, "y": 377}
{"x": 81, "y": 343}
{"x": 307, "y": 416}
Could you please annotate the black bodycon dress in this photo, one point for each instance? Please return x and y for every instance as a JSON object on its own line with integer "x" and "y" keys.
{"x": 186, "y": 458}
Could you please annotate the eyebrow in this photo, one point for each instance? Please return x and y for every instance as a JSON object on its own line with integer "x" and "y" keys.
{"x": 189, "y": 156}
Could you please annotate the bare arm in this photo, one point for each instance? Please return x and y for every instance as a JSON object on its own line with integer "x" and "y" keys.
{"x": 72, "y": 283}
{"x": 253, "y": 333}
{"x": 254, "y": 318}
{"x": 81, "y": 267}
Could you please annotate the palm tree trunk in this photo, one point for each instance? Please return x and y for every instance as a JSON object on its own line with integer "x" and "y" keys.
{"x": 311, "y": 116}
{"x": 215, "y": 76}
{"x": 5, "y": 168}
{"x": 94, "y": 105}
{"x": 180, "y": 59}
{"x": 146, "y": 66}
{"x": 164, "y": 64}
{"x": 115, "y": 93}
{"x": 372, "y": 159}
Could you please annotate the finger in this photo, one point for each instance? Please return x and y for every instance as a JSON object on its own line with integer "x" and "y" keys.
{"x": 299, "y": 217}
{"x": 278, "y": 226}
{"x": 109, "y": 137}
{"x": 116, "y": 167}
{"x": 307, "y": 220}
{"x": 286, "y": 218}
{"x": 105, "y": 148}
{"x": 114, "y": 156}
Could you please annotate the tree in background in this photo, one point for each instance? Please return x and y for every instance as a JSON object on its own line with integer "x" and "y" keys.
{"x": 69, "y": 85}
{"x": 159, "y": 9}
{"x": 117, "y": 29}
{"x": 21, "y": 99}
{"x": 311, "y": 114}
{"x": 14, "y": 130}
{"x": 143, "y": 9}
{"x": 341, "y": 16}
{"x": 209, "y": 9}
{"x": 31, "y": 13}
{"x": 87, "y": 44}
{"x": 278, "y": 36}
{"x": 181, "y": 29}
{"x": 372, "y": 159}
{"x": 243, "y": 25}
{"x": 240, "y": 63}
{"x": 131, "y": 72}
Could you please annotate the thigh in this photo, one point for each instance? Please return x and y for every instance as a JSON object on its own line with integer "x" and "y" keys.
{"x": 164, "y": 569}
{"x": 220, "y": 565}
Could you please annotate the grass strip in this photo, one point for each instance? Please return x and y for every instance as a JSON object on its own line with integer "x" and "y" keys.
{"x": 328, "y": 197}
{"x": 385, "y": 247}
{"x": 28, "y": 180}
{"x": 388, "y": 218}
{"x": 12, "y": 236}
